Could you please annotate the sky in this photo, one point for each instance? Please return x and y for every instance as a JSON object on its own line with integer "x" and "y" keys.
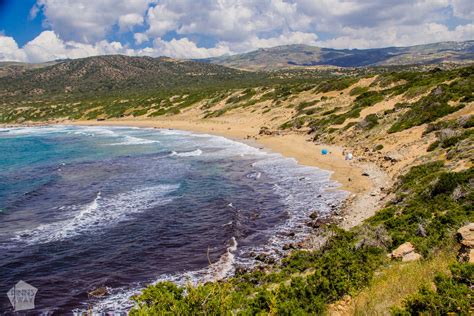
{"x": 44, "y": 30}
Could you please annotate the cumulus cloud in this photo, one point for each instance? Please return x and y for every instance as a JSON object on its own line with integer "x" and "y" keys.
{"x": 140, "y": 38}
{"x": 9, "y": 50}
{"x": 184, "y": 48}
{"x": 48, "y": 46}
{"x": 91, "y": 20}
{"x": 244, "y": 25}
{"x": 195, "y": 29}
{"x": 399, "y": 36}
{"x": 128, "y": 21}
{"x": 463, "y": 8}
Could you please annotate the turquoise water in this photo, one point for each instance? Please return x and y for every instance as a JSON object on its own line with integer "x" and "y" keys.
{"x": 85, "y": 207}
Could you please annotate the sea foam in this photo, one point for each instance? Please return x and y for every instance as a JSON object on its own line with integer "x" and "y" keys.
{"x": 102, "y": 212}
{"x": 194, "y": 153}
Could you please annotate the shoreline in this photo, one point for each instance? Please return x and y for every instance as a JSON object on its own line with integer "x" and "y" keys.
{"x": 296, "y": 146}
{"x": 366, "y": 182}
{"x": 362, "y": 202}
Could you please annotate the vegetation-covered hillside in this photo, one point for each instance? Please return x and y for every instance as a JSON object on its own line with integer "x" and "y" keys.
{"x": 102, "y": 75}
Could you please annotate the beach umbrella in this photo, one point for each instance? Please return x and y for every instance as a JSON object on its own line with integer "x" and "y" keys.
{"x": 324, "y": 151}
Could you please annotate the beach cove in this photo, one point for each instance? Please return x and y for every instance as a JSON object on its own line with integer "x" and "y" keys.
{"x": 91, "y": 181}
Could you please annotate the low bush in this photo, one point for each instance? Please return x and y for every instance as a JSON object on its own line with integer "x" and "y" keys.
{"x": 358, "y": 90}
{"x": 370, "y": 121}
{"x": 435, "y": 104}
{"x": 426, "y": 211}
{"x": 433, "y": 146}
{"x": 454, "y": 295}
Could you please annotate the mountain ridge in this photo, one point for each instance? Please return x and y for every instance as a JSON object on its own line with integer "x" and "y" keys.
{"x": 302, "y": 55}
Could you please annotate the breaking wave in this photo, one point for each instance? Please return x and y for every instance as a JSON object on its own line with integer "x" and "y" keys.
{"x": 100, "y": 213}
{"x": 131, "y": 140}
{"x": 194, "y": 153}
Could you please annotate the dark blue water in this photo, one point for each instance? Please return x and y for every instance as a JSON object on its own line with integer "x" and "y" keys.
{"x": 86, "y": 207}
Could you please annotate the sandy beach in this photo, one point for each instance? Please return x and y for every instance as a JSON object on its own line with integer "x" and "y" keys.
{"x": 297, "y": 146}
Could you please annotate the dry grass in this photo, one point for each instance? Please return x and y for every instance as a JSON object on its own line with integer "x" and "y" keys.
{"x": 393, "y": 284}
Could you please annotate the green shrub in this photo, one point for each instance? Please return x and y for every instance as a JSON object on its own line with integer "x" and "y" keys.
{"x": 425, "y": 200}
{"x": 358, "y": 90}
{"x": 433, "y": 146}
{"x": 452, "y": 141}
{"x": 304, "y": 105}
{"x": 370, "y": 121}
{"x": 453, "y": 295}
{"x": 429, "y": 108}
{"x": 341, "y": 267}
{"x": 336, "y": 84}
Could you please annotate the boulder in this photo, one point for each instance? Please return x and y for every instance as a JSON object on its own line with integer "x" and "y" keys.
{"x": 319, "y": 222}
{"x": 412, "y": 256}
{"x": 99, "y": 292}
{"x": 466, "y": 235}
{"x": 438, "y": 91}
{"x": 466, "y": 255}
{"x": 393, "y": 157}
{"x": 288, "y": 247}
{"x": 266, "y": 131}
{"x": 265, "y": 258}
{"x": 406, "y": 252}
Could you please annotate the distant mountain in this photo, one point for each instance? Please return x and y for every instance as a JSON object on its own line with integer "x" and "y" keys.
{"x": 108, "y": 74}
{"x": 11, "y": 68}
{"x": 304, "y": 55}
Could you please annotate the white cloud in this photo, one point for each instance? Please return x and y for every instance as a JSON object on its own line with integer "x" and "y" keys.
{"x": 48, "y": 46}
{"x": 83, "y": 27}
{"x": 161, "y": 20}
{"x": 140, "y": 38}
{"x": 9, "y": 50}
{"x": 128, "y": 21}
{"x": 399, "y": 36}
{"x": 90, "y": 20}
{"x": 463, "y": 8}
{"x": 184, "y": 48}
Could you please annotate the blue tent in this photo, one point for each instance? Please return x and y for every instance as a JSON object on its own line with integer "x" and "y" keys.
{"x": 324, "y": 151}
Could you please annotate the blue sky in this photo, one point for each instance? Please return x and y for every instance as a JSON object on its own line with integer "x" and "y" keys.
{"x": 41, "y": 30}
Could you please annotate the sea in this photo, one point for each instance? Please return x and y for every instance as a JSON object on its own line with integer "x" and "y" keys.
{"x": 85, "y": 207}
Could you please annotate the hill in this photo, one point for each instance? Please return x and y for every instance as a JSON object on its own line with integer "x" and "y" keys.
{"x": 9, "y": 68}
{"x": 101, "y": 75}
{"x": 304, "y": 56}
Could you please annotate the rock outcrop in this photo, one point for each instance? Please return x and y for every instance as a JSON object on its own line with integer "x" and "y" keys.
{"x": 465, "y": 236}
{"x": 406, "y": 252}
